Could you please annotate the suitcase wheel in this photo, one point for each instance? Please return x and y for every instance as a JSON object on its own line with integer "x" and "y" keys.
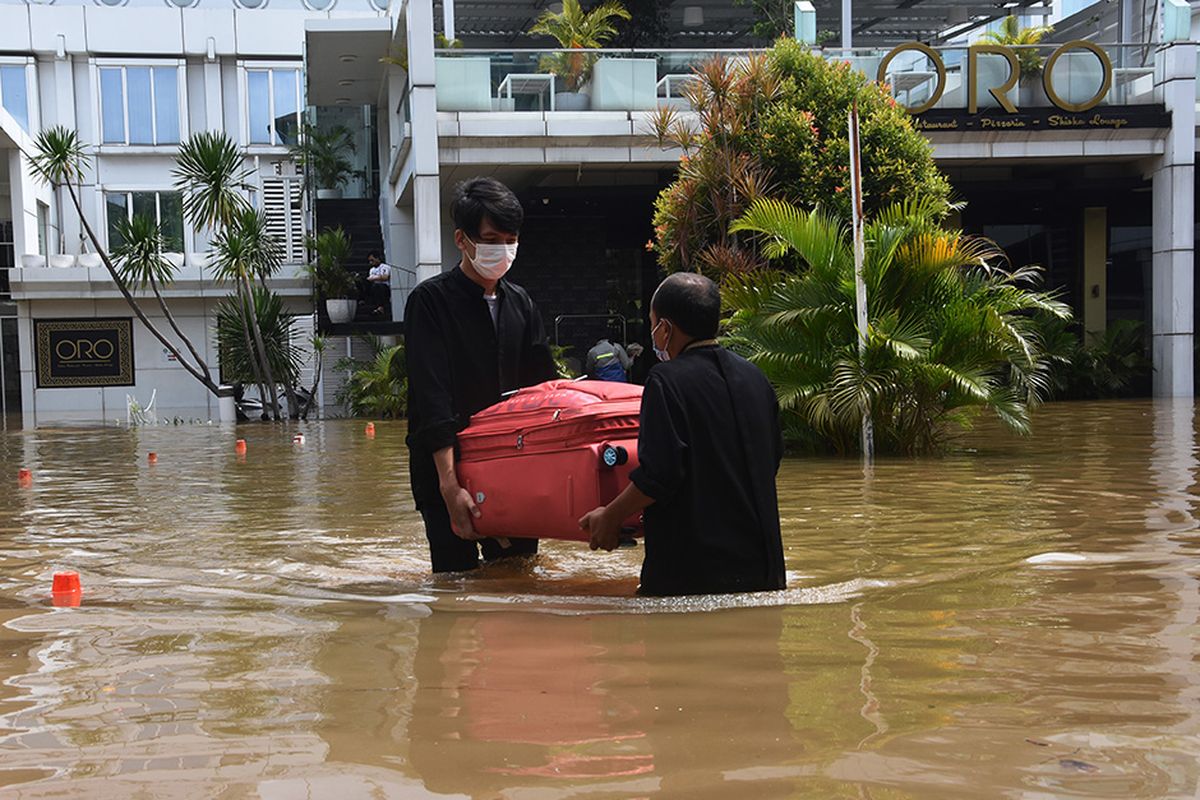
{"x": 614, "y": 456}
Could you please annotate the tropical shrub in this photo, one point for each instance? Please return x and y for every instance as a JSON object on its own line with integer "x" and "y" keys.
{"x": 378, "y": 387}
{"x": 1011, "y": 34}
{"x": 238, "y": 357}
{"x": 1111, "y": 365}
{"x": 776, "y": 126}
{"x": 950, "y": 334}
{"x": 331, "y": 250}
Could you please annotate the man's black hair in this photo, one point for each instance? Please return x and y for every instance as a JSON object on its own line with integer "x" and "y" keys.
{"x": 691, "y": 301}
{"x": 375, "y": 254}
{"x": 477, "y": 198}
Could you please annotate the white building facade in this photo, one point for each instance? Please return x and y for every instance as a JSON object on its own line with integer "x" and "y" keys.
{"x": 136, "y": 79}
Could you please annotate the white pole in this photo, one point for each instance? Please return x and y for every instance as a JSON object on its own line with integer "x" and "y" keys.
{"x": 448, "y": 19}
{"x": 847, "y": 23}
{"x": 860, "y": 285}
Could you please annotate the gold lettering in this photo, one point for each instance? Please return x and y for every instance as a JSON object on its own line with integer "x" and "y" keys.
{"x": 1105, "y": 83}
{"x": 999, "y": 92}
{"x": 938, "y": 66}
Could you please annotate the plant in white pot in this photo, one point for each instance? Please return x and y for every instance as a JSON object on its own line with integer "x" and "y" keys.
{"x": 322, "y": 154}
{"x": 574, "y": 29}
{"x": 331, "y": 280}
{"x": 1024, "y": 41}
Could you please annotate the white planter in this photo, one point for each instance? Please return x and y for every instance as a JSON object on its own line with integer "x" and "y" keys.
{"x": 329, "y": 194}
{"x": 62, "y": 261}
{"x": 572, "y": 101}
{"x": 90, "y": 260}
{"x": 33, "y": 261}
{"x": 226, "y": 406}
{"x": 199, "y": 260}
{"x": 340, "y": 311}
{"x": 174, "y": 259}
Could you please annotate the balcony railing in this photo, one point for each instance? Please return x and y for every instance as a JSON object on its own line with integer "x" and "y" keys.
{"x": 921, "y": 78}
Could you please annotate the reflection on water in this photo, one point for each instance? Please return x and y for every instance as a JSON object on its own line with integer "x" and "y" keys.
{"x": 1017, "y": 619}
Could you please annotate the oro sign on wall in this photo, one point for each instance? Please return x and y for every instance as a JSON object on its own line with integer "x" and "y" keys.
{"x": 75, "y": 353}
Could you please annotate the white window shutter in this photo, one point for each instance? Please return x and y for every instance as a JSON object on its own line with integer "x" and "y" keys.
{"x": 282, "y": 202}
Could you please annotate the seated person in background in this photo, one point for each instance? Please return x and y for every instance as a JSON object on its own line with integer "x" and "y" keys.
{"x": 708, "y": 451}
{"x": 608, "y": 362}
{"x": 377, "y": 290}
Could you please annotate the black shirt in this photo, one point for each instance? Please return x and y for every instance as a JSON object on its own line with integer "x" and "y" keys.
{"x": 459, "y": 363}
{"x": 708, "y": 451}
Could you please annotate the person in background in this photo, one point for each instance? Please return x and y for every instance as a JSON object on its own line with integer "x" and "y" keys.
{"x": 643, "y": 360}
{"x": 377, "y": 289}
{"x": 708, "y": 450}
{"x": 608, "y": 362}
{"x": 471, "y": 335}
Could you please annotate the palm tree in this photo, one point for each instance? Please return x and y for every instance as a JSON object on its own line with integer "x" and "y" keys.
{"x": 950, "y": 333}
{"x": 241, "y": 360}
{"x": 210, "y": 174}
{"x": 377, "y": 387}
{"x": 59, "y": 158}
{"x": 574, "y": 29}
{"x": 140, "y": 263}
{"x": 322, "y": 155}
{"x": 1011, "y": 34}
{"x": 245, "y": 253}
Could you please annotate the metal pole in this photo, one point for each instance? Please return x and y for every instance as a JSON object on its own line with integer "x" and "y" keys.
{"x": 448, "y": 19}
{"x": 860, "y": 285}
{"x": 847, "y": 22}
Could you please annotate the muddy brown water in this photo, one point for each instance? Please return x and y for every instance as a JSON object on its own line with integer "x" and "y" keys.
{"x": 1015, "y": 619}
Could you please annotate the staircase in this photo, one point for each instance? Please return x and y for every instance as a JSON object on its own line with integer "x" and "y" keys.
{"x": 359, "y": 218}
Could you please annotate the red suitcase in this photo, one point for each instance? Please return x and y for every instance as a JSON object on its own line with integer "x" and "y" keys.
{"x": 541, "y": 459}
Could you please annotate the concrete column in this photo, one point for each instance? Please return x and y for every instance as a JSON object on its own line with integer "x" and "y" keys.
{"x": 1095, "y": 271}
{"x": 1172, "y": 304}
{"x": 448, "y": 18}
{"x": 213, "y": 115}
{"x": 423, "y": 105}
{"x": 847, "y": 24}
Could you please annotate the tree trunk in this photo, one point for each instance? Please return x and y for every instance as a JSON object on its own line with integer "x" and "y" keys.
{"x": 133, "y": 304}
{"x": 203, "y": 365}
{"x": 261, "y": 349}
{"x": 245, "y": 305}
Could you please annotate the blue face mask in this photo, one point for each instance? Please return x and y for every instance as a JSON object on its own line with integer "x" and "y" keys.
{"x": 662, "y": 354}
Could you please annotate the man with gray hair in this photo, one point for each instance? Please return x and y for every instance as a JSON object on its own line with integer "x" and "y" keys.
{"x": 708, "y": 451}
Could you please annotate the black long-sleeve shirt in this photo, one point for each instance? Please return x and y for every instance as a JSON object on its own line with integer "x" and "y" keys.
{"x": 708, "y": 451}
{"x": 459, "y": 363}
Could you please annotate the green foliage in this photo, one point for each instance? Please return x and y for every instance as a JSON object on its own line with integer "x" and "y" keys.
{"x": 1111, "y": 365}
{"x": 244, "y": 249}
{"x": 772, "y": 18}
{"x": 324, "y": 153}
{"x": 210, "y": 172}
{"x": 276, "y": 326}
{"x": 1023, "y": 39}
{"x": 949, "y": 334}
{"x": 331, "y": 250}
{"x": 379, "y": 387}
{"x": 138, "y": 252}
{"x": 575, "y": 29}
{"x": 59, "y": 156}
{"x": 776, "y": 126}
{"x": 560, "y": 352}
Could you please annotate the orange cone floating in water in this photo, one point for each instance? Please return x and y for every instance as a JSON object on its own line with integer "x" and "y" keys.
{"x": 370, "y": 430}
{"x": 152, "y": 458}
{"x": 240, "y": 447}
{"x": 298, "y": 438}
{"x": 66, "y": 590}
{"x": 24, "y": 477}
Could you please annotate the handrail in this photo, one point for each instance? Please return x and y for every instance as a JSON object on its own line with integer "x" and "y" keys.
{"x": 1049, "y": 46}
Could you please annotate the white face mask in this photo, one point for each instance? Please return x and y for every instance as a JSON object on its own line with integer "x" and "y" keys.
{"x": 492, "y": 261}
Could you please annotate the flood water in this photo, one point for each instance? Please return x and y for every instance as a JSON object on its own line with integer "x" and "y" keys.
{"x": 1015, "y": 619}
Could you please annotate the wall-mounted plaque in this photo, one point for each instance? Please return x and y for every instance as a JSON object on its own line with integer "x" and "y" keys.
{"x": 74, "y": 353}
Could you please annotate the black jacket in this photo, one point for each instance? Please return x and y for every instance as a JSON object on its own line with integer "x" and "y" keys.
{"x": 459, "y": 363}
{"x": 708, "y": 451}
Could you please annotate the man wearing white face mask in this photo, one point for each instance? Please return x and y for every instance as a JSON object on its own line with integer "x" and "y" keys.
{"x": 470, "y": 335}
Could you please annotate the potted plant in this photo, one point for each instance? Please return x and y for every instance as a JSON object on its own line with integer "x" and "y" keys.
{"x": 322, "y": 153}
{"x": 331, "y": 280}
{"x": 574, "y": 29}
{"x": 1024, "y": 41}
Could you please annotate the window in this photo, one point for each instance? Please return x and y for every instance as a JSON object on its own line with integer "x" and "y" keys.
{"x": 14, "y": 93}
{"x": 165, "y": 207}
{"x": 285, "y": 215}
{"x": 273, "y": 105}
{"x": 139, "y": 105}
